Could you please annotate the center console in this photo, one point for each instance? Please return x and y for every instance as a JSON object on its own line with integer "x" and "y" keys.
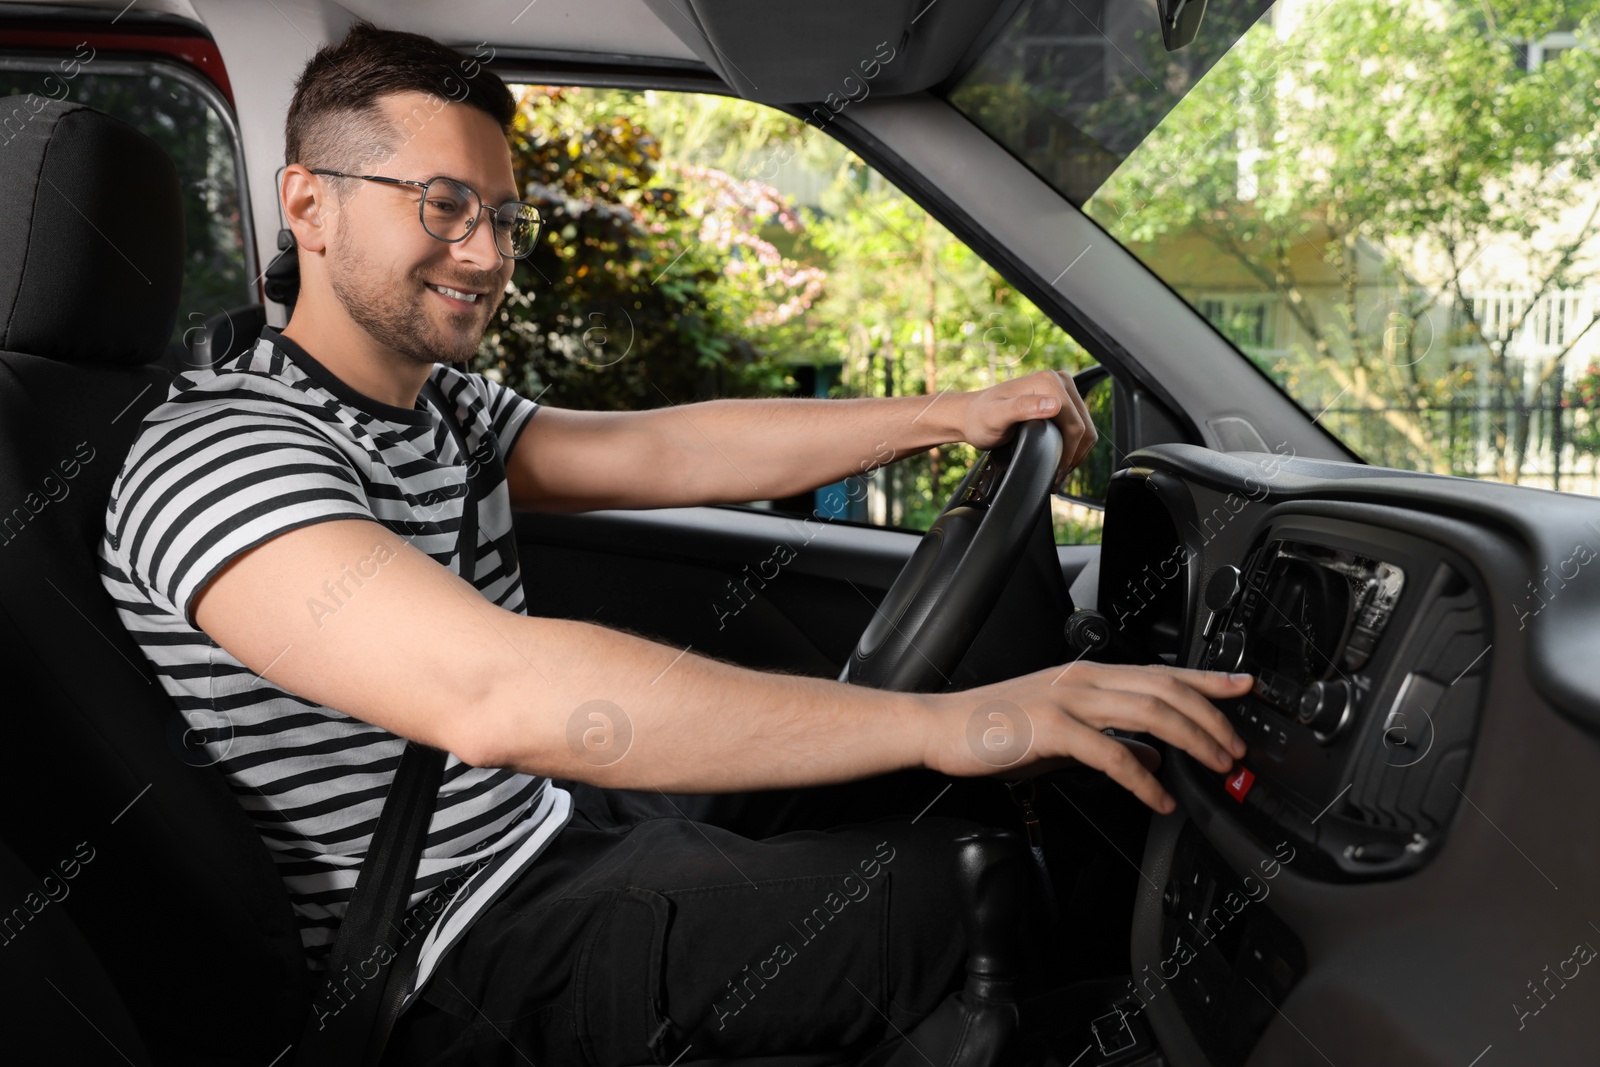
{"x": 1368, "y": 640}
{"x": 1363, "y": 642}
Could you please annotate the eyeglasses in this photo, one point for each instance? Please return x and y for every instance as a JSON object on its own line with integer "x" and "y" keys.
{"x": 450, "y": 211}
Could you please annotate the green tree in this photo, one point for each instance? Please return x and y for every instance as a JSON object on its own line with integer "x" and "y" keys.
{"x": 917, "y": 311}
{"x": 1583, "y": 398}
{"x": 674, "y": 270}
{"x": 619, "y": 306}
{"x": 1357, "y": 168}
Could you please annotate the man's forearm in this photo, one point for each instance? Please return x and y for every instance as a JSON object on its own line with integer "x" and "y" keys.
{"x": 574, "y": 700}
{"x": 728, "y": 451}
{"x": 736, "y": 450}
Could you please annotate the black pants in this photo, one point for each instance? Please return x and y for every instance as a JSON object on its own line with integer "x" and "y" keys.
{"x": 654, "y": 927}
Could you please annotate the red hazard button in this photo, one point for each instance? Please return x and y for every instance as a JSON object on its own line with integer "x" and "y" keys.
{"x": 1239, "y": 784}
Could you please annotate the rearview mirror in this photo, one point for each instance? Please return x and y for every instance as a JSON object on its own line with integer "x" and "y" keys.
{"x": 1088, "y": 482}
{"x": 1180, "y": 21}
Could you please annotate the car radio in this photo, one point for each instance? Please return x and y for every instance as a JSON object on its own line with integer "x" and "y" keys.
{"x": 1304, "y": 619}
{"x": 1367, "y": 645}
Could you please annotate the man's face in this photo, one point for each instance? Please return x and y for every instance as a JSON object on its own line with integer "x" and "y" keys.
{"x": 387, "y": 270}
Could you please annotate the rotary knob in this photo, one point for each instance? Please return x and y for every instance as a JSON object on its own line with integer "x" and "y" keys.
{"x": 1325, "y": 706}
{"x": 1087, "y": 631}
{"x": 1227, "y": 650}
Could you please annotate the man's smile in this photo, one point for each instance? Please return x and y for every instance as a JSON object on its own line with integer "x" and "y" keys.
{"x": 460, "y": 298}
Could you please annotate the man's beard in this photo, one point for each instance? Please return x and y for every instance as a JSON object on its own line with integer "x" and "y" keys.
{"x": 395, "y": 316}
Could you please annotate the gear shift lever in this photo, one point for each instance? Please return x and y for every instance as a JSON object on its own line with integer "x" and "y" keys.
{"x": 992, "y": 876}
{"x": 972, "y": 1028}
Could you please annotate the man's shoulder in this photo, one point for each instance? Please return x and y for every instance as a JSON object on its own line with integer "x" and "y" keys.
{"x": 253, "y": 386}
{"x": 484, "y": 403}
{"x": 460, "y": 384}
{"x": 231, "y": 413}
{"x": 489, "y": 384}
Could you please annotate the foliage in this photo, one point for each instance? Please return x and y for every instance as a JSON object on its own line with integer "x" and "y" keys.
{"x": 1585, "y": 397}
{"x": 1365, "y": 167}
{"x": 619, "y": 305}
{"x": 922, "y": 313}
{"x": 674, "y": 270}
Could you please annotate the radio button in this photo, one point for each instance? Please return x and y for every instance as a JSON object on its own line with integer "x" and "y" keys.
{"x": 1227, "y": 651}
{"x": 1325, "y": 706}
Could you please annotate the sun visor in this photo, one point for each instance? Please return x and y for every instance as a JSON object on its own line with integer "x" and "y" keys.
{"x": 803, "y": 53}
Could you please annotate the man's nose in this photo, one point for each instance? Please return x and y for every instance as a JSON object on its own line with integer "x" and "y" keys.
{"x": 479, "y": 247}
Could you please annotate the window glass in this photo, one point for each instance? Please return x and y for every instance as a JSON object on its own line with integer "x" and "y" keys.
{"x": 176, "y": 110}
{"x": 1391, "y": 208}
{"x": 699, "y": 246}
{"x": 1072, "y": 89}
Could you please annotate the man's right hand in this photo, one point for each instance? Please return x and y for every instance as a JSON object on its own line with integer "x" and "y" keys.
{"x": 1055, "y": 715}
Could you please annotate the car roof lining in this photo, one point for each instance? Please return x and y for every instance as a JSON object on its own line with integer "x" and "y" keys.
{"x": 776, "y": 54}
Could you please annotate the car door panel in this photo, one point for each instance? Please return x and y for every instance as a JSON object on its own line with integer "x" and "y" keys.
{"x": 771, "y": 591}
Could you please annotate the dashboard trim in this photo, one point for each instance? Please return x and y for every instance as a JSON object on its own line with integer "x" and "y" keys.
{"x": 1545, "y": 527}
{"x": 1416, "y": 969}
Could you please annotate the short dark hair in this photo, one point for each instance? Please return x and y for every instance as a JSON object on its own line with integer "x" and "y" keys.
{"x": 334, "y": 119}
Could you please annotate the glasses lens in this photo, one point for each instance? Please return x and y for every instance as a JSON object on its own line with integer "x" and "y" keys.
{"x": 516, "y": 227}
{"x": 448, "y": 209}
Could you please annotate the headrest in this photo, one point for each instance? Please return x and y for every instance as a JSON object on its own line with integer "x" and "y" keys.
{"x": 91, "y": 243}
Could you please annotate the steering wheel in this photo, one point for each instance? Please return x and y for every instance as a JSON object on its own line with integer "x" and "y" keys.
{"x": 933, "y": 611}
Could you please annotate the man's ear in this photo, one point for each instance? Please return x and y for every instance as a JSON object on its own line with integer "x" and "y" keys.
{"x": 308, "y": 207}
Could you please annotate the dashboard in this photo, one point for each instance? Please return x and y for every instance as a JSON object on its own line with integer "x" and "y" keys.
{"x": 1412, "y": 820}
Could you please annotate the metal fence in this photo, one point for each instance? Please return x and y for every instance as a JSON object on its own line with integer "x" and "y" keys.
{"x": 1560, "y": 450}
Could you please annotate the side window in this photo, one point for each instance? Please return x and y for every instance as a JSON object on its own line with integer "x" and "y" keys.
{"x": 186, "y": 116}
{"x": 700, "y": 246}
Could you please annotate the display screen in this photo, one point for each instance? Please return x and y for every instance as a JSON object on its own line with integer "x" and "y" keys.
{"x": 1301, "y": 621}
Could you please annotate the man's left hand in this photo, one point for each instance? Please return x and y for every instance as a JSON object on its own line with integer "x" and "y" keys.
{"x": 992, "y": 415}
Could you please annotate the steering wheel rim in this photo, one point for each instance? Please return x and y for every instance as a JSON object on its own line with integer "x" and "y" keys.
{"x": 947, "y": 589}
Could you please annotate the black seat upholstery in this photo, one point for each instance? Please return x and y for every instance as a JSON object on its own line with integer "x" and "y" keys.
{"x": 180, "y": 900}
{"x": 226, "y": 335}
{"x": 51, "y": 976}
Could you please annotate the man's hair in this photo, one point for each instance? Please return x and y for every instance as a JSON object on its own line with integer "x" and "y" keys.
{"x": 335, "y": 119}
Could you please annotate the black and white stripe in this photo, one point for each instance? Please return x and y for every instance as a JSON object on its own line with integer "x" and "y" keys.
{"x": 267, "y": 443}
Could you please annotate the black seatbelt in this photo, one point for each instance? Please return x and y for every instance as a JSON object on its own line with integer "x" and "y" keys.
{"x": 359, "y": 1000}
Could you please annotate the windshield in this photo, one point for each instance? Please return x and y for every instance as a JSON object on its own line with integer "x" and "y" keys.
{"x": 1390, "y": 207}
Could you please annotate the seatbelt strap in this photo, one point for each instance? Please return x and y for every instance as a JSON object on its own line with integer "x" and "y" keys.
{"x": 359, "y": 998}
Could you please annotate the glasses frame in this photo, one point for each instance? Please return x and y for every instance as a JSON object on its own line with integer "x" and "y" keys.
{"x": 471, "y": 226}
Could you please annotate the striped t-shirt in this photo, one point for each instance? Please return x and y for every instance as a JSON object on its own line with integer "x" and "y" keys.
{"x": 266, "y": 443}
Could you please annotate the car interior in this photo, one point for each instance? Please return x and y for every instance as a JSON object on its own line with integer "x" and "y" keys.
{"x": 1394, "y": 874}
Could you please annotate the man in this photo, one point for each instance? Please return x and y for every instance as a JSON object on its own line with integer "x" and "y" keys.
{"x": 281, "y": 542}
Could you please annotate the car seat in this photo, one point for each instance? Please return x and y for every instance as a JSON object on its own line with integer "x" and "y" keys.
{"x": 172, "y": 891}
